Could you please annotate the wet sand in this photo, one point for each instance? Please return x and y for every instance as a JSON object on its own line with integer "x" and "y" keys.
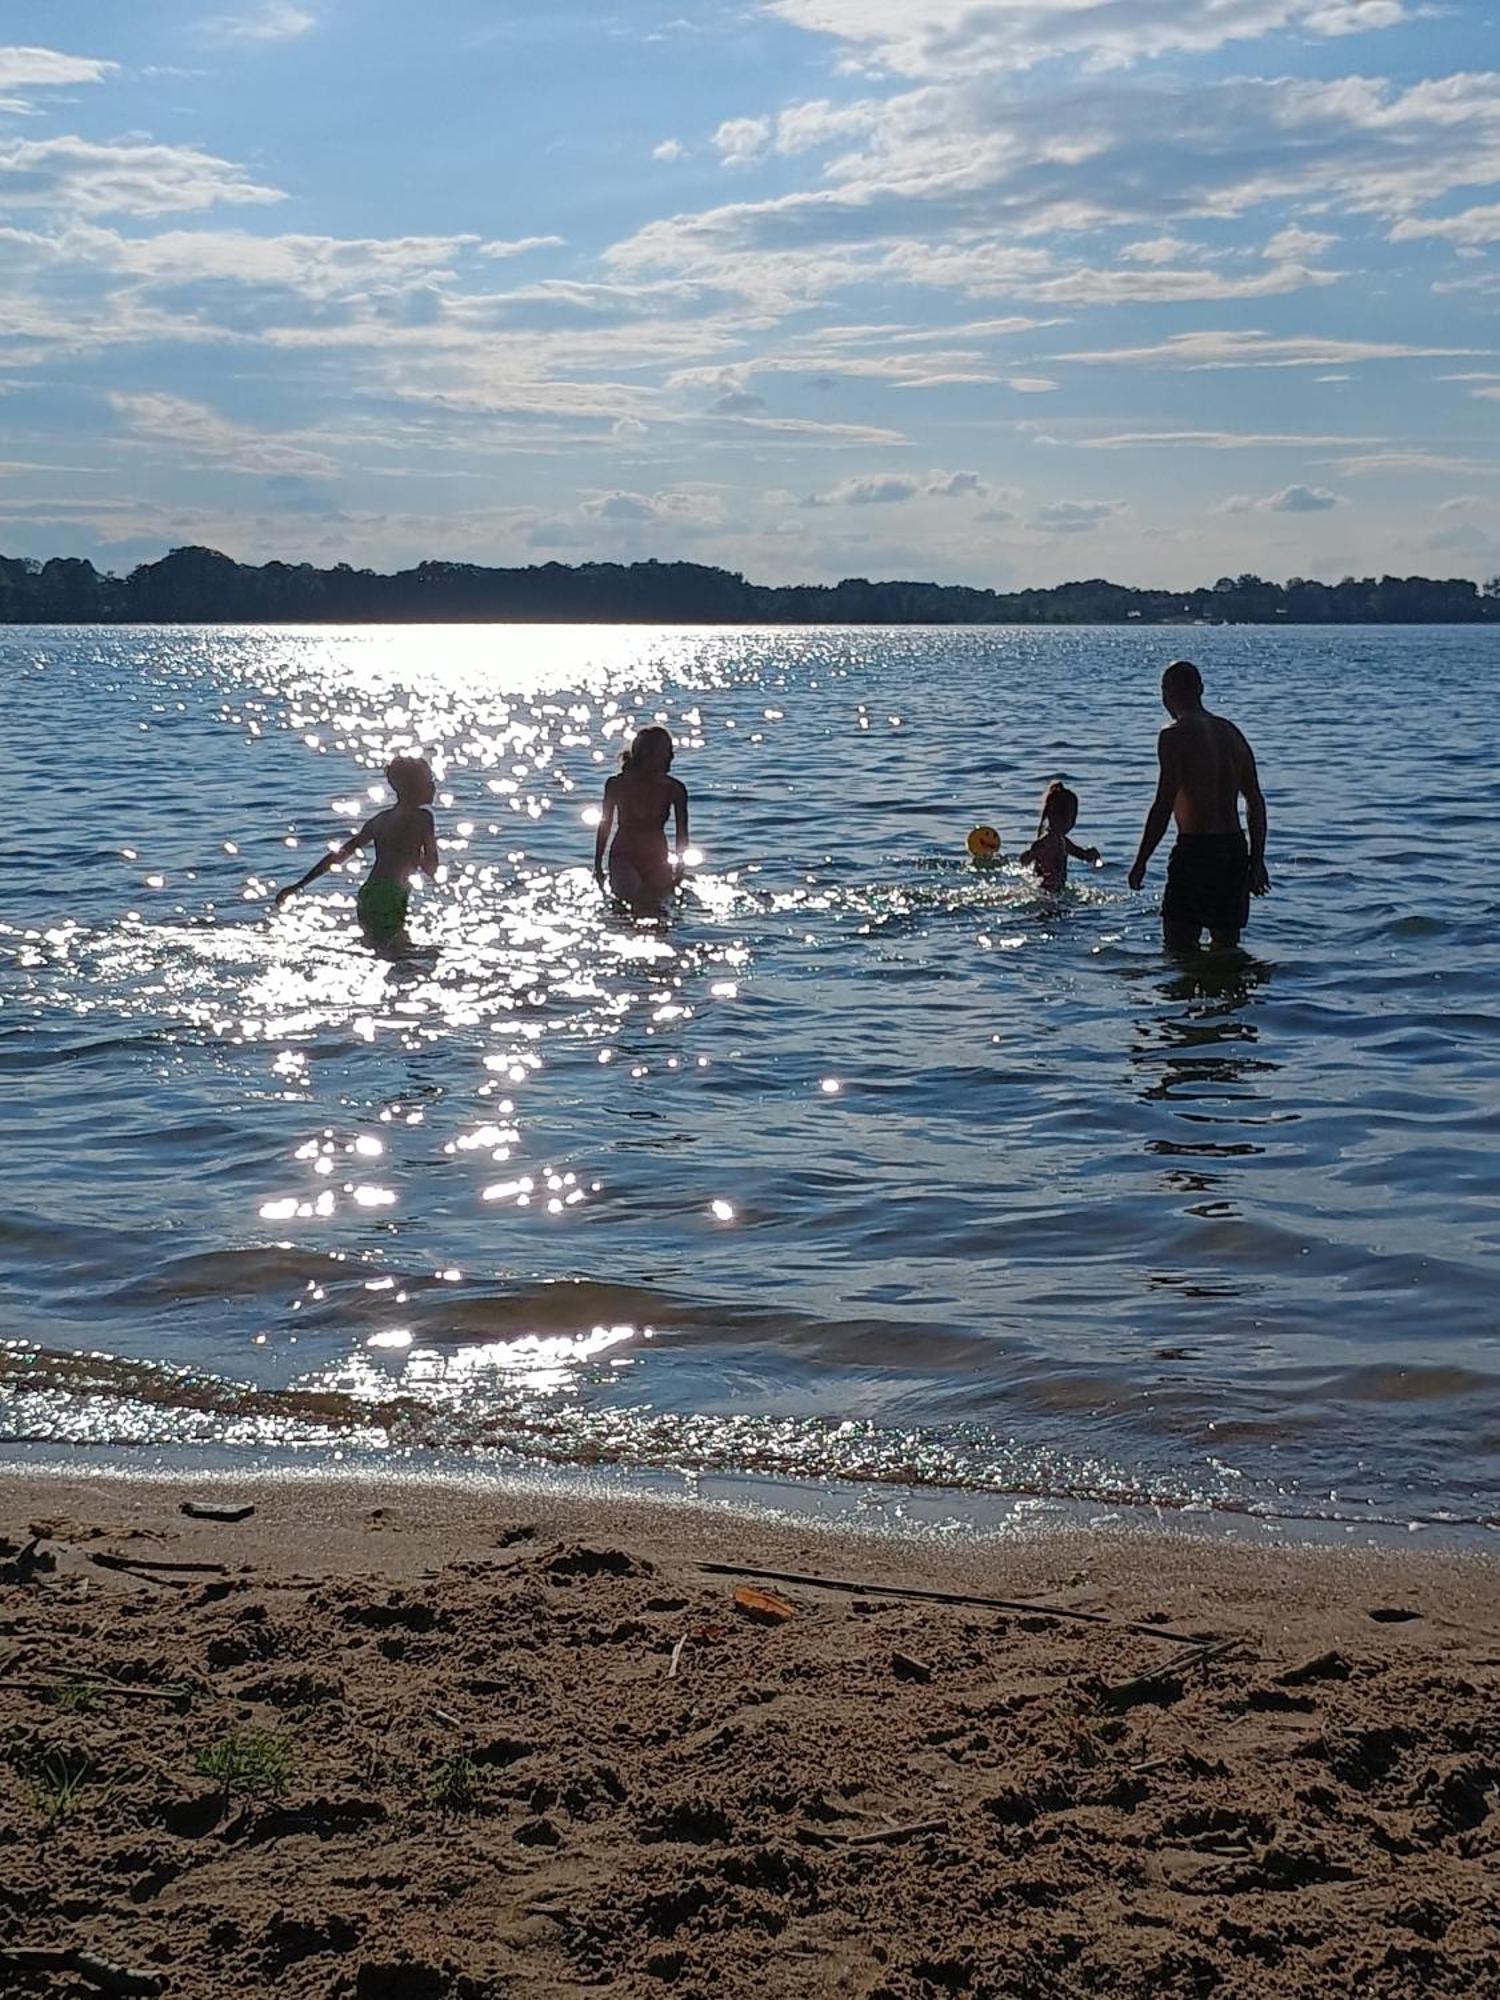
{"x": 415, "y": 1743}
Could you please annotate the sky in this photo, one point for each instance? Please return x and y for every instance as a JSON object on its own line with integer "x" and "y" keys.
{"x": 992, "y": 291}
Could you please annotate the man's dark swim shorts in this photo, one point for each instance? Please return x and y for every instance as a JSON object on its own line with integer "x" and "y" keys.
{"x": 1208, "y": 882}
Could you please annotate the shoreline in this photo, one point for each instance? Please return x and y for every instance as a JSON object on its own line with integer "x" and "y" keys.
{"x": 874, "y": 1508}
{"x": 493, "y": 1740}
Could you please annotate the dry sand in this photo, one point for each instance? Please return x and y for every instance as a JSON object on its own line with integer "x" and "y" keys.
{"x": 469, "y": 1769}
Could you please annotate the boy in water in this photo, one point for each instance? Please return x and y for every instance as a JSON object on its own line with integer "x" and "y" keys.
{"x": 1048, "y": 853}
{"x": 405, "y": 840}
{"x": 1206, "y": 768}
{"x": 637, "y": 803}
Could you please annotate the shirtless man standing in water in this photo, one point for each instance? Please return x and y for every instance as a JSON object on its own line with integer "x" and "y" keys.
{"x": 1206, "y": 768}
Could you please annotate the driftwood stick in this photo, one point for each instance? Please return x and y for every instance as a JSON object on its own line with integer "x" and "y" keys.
{"x": 1124, "y": 1694}
{"x": 33, "y": 1960}
{"x": 676, "y": 1658}
{"x": 98, "y": 1687}
{"x": 151, "y": 1565}
{"x": 199, "y": 1510}
{"x": 890, "y": 1836}
{"x": 1014, "y": 1604}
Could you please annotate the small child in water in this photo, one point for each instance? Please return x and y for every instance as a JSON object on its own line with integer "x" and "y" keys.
{"x": 405, "y": 840}
{"x": 637, "y": 801}
{"x": 1048, "y": 853}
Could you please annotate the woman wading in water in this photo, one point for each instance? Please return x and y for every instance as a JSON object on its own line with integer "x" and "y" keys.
{"x": 637, "y": 801}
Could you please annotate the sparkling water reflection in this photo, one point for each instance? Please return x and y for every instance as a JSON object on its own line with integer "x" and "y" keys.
{"x": 864, "y": 1163}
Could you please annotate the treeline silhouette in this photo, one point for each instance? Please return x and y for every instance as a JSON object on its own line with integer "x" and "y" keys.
{"x": 199, "y": 586}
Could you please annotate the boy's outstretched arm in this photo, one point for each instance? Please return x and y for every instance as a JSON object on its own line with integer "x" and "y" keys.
{"x": 1081, "y": 853}
{"x": 330, "y": 860}
{"x": 1159, "y": 817}
{"x": 429, "y": 859}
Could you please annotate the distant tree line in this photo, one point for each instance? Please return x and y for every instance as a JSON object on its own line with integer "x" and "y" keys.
{"x": 199, "y": 586}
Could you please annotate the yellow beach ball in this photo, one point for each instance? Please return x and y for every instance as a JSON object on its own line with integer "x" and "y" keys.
{"x": 984, "y": 845}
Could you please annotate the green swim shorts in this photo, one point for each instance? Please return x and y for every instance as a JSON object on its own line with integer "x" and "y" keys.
{"x": 382, "y": 907}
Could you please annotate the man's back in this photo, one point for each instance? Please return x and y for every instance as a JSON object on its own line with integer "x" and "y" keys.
{"x": 1211, "y": 765}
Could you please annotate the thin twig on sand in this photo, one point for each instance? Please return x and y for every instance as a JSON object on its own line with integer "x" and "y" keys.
{"x": 892, "y": 1836}
{"x": 1028, "y": 1607}
{"x": 149, "y": 1566}
{"x": 32, "y": 1961}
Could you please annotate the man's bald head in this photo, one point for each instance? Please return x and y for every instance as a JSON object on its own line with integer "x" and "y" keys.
{"x": 1181, "y": 688}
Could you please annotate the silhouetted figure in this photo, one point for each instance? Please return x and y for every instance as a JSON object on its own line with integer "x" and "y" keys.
{"x": 405, "y": 840}
{"x": 1048, "y": 853}
{"x": 637, "y": 801}
{"x": 1206, "y": 768}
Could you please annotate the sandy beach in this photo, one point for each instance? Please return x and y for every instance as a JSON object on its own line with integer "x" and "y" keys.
{"x": 411, "y": 1743}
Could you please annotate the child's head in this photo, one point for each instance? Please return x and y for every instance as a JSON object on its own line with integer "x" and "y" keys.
{"x": 650, "y": 752}
{"x": 1060, "y": 808}
{"x": 411, "y": 779}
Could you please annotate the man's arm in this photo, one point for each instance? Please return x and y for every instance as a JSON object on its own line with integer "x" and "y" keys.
{"x": 330, "y": 860}
{"x": 1159, "y": 817}
{"x": 1255, "y": 816}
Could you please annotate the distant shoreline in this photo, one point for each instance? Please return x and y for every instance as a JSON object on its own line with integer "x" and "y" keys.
{"x": 196, "y": 586}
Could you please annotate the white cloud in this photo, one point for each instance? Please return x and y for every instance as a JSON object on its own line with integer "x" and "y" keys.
{"x": 1404, "y": 461}
{"x": 1211, "y": 440}
{"x": 272, "y": 21}
{"x": 669, "y": 149}
{"x": 1075, "y": 517}
{"x": 1290, "y": 500}
{"x": 33, "y": 69}
{"x": 78, "y": 177}
{"x": 1155, "y": 250}
{"x": 516, "y": 246}
{"x": 1031, "y": 385}
{"x": 884, "y": 489}
{"x": 1293, "y": 245}
{"x": 951, "y": 38}
{"x": 1259, "y": 350}
{"x": 1158, "y": 286}
{"x": 194, "y": 431}
{"x": 741, "y": 140}
{"x": 1473, "y": 227}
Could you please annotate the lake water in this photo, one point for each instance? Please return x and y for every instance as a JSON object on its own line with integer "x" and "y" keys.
{"x": 866, "y": 1165}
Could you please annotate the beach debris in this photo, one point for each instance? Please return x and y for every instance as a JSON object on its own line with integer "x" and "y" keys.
{"x": 906, "y": 1667}
{"x": 1330, "y": 1666}
{"x": 32, "y": 1961}
{"x": 845, "y": 1585}
{"x": 676, "y": 1657}
{"x": 152, "y": 1566}
{"x": 92, "y": 1689}
{"x": 448, "y": 1721}
{"x": 1392, "y": 1614}
{"x": 894, "y": 1836}
{"x": 201, "y": 1510}
{"x": 1162, "y": 1685}
{"x": 764, "y": 1606}
{"x": 23, "y": 1565}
